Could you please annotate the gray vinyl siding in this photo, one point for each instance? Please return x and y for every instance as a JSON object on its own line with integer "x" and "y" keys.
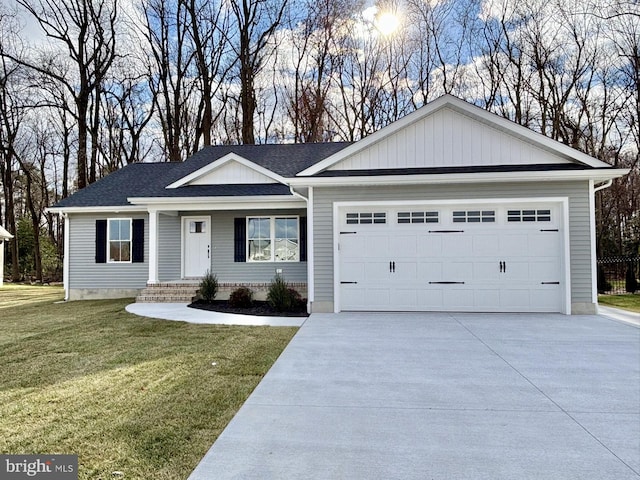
{"x": 222, "y": 251}
{"x": 579, "y": 229}
{"x": 169, "y": 248}
{"x": 85, "y": 273}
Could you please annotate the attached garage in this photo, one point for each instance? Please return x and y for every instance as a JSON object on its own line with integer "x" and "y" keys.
{"x": 458, "y": 256}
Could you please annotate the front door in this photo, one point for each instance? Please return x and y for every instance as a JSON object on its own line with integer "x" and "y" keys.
{"x": 196, "y": 232}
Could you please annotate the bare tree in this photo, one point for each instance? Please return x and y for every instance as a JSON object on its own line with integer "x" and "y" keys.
{"x": 86, "y": 28}
{"x": 256, "y": 22}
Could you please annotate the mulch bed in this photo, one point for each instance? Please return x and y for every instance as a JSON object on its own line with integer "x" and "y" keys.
{"x": 261, "y": 309}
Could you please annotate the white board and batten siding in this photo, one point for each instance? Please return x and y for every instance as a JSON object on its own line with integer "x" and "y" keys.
{"x": 447, "y": 138}
{"x": 232, "y": 173}
{"x": 578, "y": 235}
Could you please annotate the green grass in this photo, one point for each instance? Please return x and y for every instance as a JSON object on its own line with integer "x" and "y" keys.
{"x": 628, "y": 301}
{"x": 125, "y": 393}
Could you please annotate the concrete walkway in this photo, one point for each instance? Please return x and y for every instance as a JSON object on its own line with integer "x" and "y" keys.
{"x": 180, "y": 312}
{"x": 442, "y": 396}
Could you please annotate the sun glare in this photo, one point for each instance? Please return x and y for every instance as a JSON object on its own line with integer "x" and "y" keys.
{"x": 387, "y": 23}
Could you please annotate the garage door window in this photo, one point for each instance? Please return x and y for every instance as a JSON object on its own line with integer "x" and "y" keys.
{"x": 529, "y": 215}
{"x": 474, "y": 216}
{"x": 360, "y": 218}
{"x": 417, "y": 217}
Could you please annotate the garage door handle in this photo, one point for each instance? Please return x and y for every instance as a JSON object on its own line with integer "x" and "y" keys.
{"x": 392, "y": 267}
{"x": 446, "y": 283}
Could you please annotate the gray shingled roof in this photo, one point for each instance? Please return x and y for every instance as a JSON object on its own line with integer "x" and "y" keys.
{"x": 150, "y": 179}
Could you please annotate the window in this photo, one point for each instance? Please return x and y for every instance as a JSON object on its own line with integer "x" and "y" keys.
{"x": 273, "y": 239}
{"x": 197, "y": 227}
{"x": 119, "y": 244}
{"x": 417, "y": 217}
{"x": 529, "y": 216}
{"x": 366, "y": 218}
{"x": 474, "y": 216}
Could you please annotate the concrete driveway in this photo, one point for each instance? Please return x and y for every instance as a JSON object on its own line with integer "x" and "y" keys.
{"x": 442, "y": 396}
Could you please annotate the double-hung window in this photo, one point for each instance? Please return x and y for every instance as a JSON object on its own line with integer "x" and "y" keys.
{"x": 119, "y": 244}
{"x": 273, "y": 239}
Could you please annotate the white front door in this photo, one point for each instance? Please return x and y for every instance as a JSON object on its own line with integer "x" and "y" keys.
{"x": 196, "y": 234}
{"x": 483, "y": 258}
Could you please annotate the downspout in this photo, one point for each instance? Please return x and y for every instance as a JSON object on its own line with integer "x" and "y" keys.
{"x": 606, "y": 184}
{"x": 594, "y": 263}
{"x": 310, "y": 269}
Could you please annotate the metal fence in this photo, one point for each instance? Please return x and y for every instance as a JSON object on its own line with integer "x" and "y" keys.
{"x": 617, "y": 275}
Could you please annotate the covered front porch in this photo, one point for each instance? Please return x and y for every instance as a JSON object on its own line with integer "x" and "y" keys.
{"x": 243, "y": 242}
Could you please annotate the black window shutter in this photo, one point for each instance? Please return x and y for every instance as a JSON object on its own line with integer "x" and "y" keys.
{"x": 101, "y": 241}
{"x": 240, "y": 239}
{"x": 138, "y": 240}
{"x": 303, "y": 239}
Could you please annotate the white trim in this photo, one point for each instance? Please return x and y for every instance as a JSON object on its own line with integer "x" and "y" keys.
{"x": 230, "y": 157}
{"x": 66, "y": 261}
{"x": 220, "y": 203}
{"x": 153, "y": 246}
{"x": 183, "y": 223}
{"x": 118, "y": 209}
{"x": 563, "y": 201}
{"x": 130, "y": 240}
{"x": 310, "y": 254}
{"x": 464, "y": 108}
{"x": 482, "y": 177}
{"x": 592, "y": 236}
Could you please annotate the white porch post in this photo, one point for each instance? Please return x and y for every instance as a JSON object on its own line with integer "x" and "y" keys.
{"x": 153, "y": 246}
{"x": 66, "y": 259}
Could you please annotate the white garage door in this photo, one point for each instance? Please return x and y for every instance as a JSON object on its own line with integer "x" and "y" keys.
{"x": 482, "y": 258}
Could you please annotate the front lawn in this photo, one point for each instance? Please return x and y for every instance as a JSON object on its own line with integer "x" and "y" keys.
{"x": 135, "y": 398}
{"x": 628, "y": 301}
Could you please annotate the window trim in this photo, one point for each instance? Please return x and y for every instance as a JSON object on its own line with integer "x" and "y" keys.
{"x": 108, "y": 246}
{"x": 272, "y": 238}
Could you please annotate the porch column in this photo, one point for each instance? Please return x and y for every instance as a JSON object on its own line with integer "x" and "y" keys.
{"x": 153, "y": 246}
{"x": 1, "y": 261}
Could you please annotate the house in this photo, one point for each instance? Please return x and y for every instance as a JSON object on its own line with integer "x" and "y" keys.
{"x": 450, "y": 208}
{"x": 4, "y": 236}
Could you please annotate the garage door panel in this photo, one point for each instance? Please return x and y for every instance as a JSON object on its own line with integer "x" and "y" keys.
{"x": 429, "y": 271}
{"x": 375, "y": 270}
{"x": 457, "y": 297}
{"x": 403, "y": 245}
{"x": 458, "y": 271}
{"x": 486, "y": 271}
{"x": 430, "y": 299}
{"x": 429, "y": 245}
{"x": 513, "y": 244}
{"x": 486, "y": 245}
{"x": 456, "y": 245}
{"x": 543, "y": 244}
{"x": 487, "y": 299}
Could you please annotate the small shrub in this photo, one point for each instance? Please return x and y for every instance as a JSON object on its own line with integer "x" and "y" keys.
{"x": 209, "y": 286}
{"x": 603, "y": 284}
{"x": 631, "y": 284}
{"x": 241, "y": 297}
{"x": 283, "y": 298}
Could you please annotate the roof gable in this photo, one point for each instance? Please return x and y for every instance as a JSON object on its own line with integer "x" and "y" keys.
{"x": 230, "y": 169}
{"x": 450, "y": 132}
